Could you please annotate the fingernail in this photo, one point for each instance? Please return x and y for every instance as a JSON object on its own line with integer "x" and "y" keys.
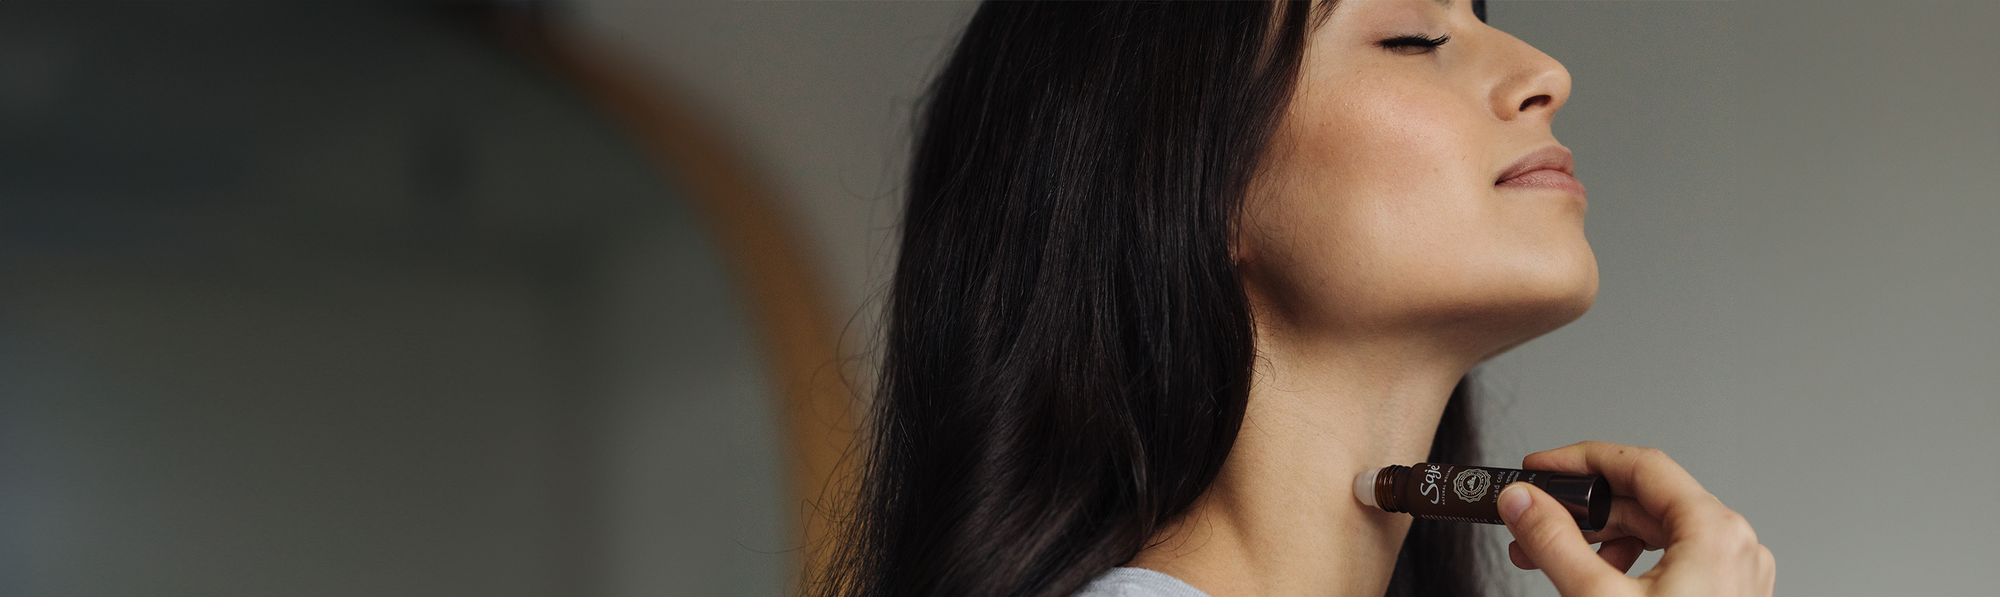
{"x": 1513, "y": 501}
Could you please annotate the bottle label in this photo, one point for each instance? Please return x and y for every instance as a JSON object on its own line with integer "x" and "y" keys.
{"x": 1463, "y": 493}
{"x": 1472, "y": 493}
{"x": 1471, "y": 484}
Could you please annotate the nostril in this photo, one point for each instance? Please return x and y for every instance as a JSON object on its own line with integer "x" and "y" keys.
{"x": 1539, "y": 100}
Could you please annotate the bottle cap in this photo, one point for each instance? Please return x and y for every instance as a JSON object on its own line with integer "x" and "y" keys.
{"x": 1364, "y": 486}
{"x": 1587, "y": 497}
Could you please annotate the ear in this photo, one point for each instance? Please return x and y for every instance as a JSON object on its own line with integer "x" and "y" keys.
{"x": 1244, "y": 235}
{"x": 1240, "y": 247}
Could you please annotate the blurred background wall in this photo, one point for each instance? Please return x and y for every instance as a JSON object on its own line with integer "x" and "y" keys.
{"x": 356, "y": 299}
{"x": 1793, "y": 208}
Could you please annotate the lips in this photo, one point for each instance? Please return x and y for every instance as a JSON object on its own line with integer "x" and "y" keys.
{"x": 1550, "y": 167}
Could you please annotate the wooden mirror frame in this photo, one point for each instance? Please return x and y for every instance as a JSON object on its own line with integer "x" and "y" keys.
{"x": 764, "y": 255}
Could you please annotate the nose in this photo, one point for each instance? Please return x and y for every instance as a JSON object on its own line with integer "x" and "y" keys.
{"x": 1530, "y": 83}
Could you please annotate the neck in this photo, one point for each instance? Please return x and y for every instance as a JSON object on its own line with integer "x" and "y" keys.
{"x": 1281, "y": 519}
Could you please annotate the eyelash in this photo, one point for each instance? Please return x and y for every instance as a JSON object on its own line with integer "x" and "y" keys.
{"x": 1417, "y": 42}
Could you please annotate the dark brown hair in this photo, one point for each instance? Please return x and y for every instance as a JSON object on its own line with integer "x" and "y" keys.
{"x": 1069, "y": 346}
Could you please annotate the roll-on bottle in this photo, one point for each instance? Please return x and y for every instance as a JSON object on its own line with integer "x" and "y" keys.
{"x": 1472, "y": 493}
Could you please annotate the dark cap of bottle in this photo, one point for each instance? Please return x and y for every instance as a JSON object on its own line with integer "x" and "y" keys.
{"x": 1587, "y": 497}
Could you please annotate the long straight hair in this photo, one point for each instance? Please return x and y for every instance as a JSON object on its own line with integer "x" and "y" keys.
{"x": 1069, "y": 347}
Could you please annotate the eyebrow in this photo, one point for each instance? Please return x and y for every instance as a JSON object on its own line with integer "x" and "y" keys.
{"x": 1322, "y": 9}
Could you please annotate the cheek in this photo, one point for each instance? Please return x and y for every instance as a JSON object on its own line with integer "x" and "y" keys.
{"x": 1399, "y": 165}
{"x": 1392, "y": 142}
{"x": 1385, "y": 191}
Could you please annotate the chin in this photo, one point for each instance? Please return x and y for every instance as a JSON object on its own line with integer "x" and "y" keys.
{"x": 1551, "y": 300}
{"x": 1561, "y": 309}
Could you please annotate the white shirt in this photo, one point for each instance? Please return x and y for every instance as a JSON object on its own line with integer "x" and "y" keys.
{"x": 1138, "y": 582}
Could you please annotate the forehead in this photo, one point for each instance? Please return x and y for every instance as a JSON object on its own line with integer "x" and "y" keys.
{"x": 1322, "y": 9}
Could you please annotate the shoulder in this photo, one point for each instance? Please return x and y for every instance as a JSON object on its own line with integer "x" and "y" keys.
{"x": 1137, "y": 582}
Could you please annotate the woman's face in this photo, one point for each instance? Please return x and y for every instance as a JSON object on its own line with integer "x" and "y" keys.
{"x": 1415, "y": 186}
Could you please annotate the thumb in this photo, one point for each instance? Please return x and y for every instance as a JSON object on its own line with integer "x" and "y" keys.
{"x": 1547, "y": 533}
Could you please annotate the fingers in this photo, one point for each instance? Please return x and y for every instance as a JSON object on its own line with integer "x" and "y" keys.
{"x": 1546, "y": 537}
{"x": 1620, "y": 553}
{"x": 1630, "y": 528}
{"x": 1520, "y": 557}
{"x": 1629, "y": 523}
{"x": 1711, "y": 550}
{"x": 1661, "y": 487}
{"x": 1629, "y": 519}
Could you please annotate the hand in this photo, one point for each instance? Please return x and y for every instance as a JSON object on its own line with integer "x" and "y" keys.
{"x": 1711, "y": 550}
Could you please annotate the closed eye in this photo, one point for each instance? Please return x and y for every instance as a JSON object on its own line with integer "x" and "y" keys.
{"x": 1414, "y": 44}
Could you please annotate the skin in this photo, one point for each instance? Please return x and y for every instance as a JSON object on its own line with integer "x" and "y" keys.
{"x": 1382, "y": 262}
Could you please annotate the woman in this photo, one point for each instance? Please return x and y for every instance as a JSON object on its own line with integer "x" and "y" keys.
{"x": 1172, "y": 274}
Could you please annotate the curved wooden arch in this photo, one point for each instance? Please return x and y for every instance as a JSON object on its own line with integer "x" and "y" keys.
{"x": 765, "y": 257}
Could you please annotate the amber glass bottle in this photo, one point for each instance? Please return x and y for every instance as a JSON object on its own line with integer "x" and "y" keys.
{"x": 1472, "y": 493}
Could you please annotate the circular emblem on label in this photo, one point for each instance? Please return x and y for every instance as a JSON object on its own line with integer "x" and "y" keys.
{"x": 1471, "y": 484}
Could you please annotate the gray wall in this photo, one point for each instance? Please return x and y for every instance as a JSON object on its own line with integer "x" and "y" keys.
{"x": 1791, "y": 202}
{"x": 1793, "y": 205}
{"x": 820, "y": 96}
